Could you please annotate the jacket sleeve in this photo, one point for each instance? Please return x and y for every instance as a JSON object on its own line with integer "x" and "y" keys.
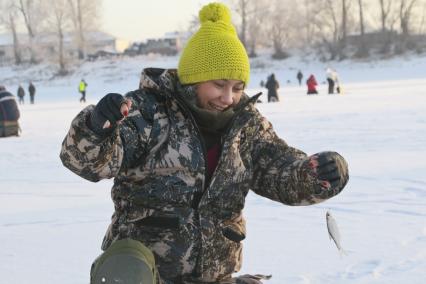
{"x": 281, "y": 173}
{"x": 93, "y": 157}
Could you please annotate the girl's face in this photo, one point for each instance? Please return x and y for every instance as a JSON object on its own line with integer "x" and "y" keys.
{"x": 218, "y": 95}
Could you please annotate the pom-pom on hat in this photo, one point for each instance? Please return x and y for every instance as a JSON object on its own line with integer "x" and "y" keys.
{"x": 214, "y": 52}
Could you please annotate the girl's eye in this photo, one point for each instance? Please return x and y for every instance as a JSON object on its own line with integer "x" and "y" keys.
{"x": 220, "y": 85}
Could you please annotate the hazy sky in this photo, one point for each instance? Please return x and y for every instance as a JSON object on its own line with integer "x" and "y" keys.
{"x": 137, "y": 20}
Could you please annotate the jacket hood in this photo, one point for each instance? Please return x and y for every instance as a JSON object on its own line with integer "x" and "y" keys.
{"x": 160, "y": 80}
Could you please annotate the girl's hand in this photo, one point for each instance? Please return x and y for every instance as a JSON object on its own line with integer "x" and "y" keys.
{"x": 110, "y": 111}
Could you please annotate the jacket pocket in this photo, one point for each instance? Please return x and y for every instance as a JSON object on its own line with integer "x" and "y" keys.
{"x": 164, "y": 222}
{"x": 234, "y": 229}
{"x": 233, "y": 235}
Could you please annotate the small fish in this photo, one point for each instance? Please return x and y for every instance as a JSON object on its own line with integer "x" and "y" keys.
{"x": 333, "y": 232}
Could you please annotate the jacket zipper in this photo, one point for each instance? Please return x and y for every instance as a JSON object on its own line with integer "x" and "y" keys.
{"x": 228, "y": 128}
{"x": 200, "y": 136}
{"x": 196, "y": 272}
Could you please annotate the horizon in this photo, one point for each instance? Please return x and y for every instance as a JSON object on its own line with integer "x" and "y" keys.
{"x": 117, "y": 18}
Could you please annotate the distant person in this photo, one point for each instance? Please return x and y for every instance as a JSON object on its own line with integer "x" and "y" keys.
{"x": 21, "y": 94}
{"x": 272, "y": 85}
{"x": 330, "y": 80}
{"x": 312, "y": 85}
{"x": 82, "y": 89}
{"x": 9, "y": 114}
{"x": 31, "y": 91}
{"x": 337, "y": 82}
{"x": 299, "y": 77}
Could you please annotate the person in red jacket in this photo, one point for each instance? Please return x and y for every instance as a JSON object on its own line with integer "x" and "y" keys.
{"x": 312, "y": 85}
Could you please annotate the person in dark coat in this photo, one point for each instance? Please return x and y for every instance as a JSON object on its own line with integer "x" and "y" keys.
{"x": 21, "y": 94}
{"x": 299, "y": 77}
{"x": 31, "y": 91}
{"x": 312, "y": 85}
{"x": 9, "y": 114}
{"x": 272, "y": 85}
{"x": 330, "y": 80}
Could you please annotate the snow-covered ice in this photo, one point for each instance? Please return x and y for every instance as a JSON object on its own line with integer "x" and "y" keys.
{"x": 52, "y": 222}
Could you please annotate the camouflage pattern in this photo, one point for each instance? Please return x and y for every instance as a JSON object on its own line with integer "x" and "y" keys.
{"x": 157, "y": 159}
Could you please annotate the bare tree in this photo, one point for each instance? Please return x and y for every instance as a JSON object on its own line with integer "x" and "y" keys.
{"x": 311, "y": 20}
{"x": 423, "y": 20}
{"x": 405, "y": 14}
{"x": 280, "y": 33}
{"x": 362, "y": 50}
{"x": 309, "y": 28}
{"x": 59, "y": 19}
{"x": 9, "y": 19}
{"x": 344, "y": 23}
{"x": 344, "y": 28}
{"x": 389, "y": 16}
{"x": 385, "y": 9}
{"x": 31, "y": 12}
{"x": 329, "y": 28}
{"x": 255, "y": 25}
{"x": 84, "y": 15}
{"x": 308, "y": 25}
{"x": 252, "y": 16}
{"x": 333, "y": 26}
{"x": 193, "y": 25}
{"x": 241, "y": 8}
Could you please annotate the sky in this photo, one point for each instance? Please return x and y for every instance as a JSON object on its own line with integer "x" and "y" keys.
{"x": 137, "y": 20}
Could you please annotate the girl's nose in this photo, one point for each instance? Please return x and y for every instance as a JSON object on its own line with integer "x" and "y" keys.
{"x": 226, "y": 98}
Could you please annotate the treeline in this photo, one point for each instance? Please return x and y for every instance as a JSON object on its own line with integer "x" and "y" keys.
{"x": 333, "y": 29}
{"x": 58, "y": 17}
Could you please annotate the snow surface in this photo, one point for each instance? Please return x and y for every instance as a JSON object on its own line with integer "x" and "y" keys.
{"x": 52, "y": 222}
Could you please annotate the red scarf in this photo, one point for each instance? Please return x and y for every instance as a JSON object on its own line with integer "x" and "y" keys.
{"x": 212, "y": 158}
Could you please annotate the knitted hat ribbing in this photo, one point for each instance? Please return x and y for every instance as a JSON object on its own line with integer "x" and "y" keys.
{"x": 214, "y": 52}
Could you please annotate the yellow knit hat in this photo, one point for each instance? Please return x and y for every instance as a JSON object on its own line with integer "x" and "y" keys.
{"x": 214, "y": 52}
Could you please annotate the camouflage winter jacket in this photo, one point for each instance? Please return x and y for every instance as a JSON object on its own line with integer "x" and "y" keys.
{"x": 158, "y": 161}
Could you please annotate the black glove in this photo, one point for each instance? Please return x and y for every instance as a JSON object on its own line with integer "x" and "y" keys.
{"x": 331, "y": 169}
{"x": 107, "y": 109}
